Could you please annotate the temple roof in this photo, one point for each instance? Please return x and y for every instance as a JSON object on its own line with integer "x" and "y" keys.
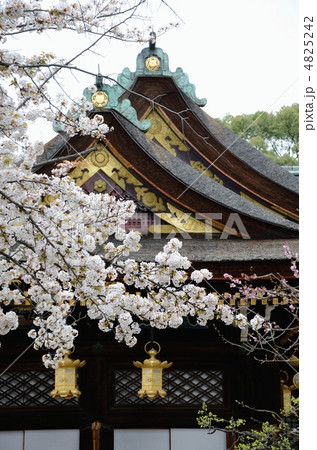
{"x": 180, "y": 165}
{"x": 243, "y": 150}
{"x": 203, "y": 186}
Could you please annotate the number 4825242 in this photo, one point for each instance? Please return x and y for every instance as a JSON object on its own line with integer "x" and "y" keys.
{"x": 308, "y": 43}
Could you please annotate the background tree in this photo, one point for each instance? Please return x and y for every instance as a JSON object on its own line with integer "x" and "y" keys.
{"x": 274, "y": 134}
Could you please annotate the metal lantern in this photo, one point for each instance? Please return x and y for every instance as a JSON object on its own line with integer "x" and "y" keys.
{"x": 66, "y": 378}
{"x": 287, "y": 390}
{"x": 152, "y": 373}
{"x": 287, "y": 396}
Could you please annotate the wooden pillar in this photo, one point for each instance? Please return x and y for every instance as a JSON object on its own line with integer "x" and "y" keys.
{"x": 97, "y": 436}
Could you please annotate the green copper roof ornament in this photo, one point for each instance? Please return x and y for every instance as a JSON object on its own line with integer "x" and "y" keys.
{"x": 105, "y": 97}
{"x": 152, "y": 61}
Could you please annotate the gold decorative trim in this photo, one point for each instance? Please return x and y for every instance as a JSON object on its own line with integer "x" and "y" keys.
{"x": 244, "y": 195}
{"x": 185, "y": 222}
{"x": 177, "y": 220}
{"x": 164, "y": 134}
{"x": 205, "y": 171}
{"x": 149, "y": 199}
{"x": 99, "y": 157}
{"x": 100, "y": 185}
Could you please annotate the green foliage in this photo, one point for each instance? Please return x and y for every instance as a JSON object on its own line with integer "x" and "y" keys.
{"x": 279, "y": 434}
{"x": 274, "y": 134}
{"x": 284, "y": 160}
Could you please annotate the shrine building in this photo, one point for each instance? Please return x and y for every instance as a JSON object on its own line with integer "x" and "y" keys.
{"x": 233, "y": 208}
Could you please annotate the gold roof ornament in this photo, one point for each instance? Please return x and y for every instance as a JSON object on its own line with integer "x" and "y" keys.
{"x": 66, "y": 377}
{"x": 152, "y": 373}
{"x": 152, "y": 63}
{"x": 100, "y": 99}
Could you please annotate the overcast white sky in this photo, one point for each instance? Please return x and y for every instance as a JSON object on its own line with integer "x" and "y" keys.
{"x": 242, "y": 55}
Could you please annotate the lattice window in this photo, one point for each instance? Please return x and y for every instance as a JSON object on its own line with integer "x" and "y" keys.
{"x": 183, "y": 387}
{"x": 29, "y": 388}
{"x": 140, "y": 221}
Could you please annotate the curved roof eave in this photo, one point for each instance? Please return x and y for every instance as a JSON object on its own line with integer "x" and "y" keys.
{"x": 200, "y": 184}
{"x": 220, "y": 250}
{"x": 52, "y": 148}
{"x": 243, "y": 150}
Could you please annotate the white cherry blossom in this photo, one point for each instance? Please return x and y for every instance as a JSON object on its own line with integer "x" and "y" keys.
{"x": 257, "y": 322}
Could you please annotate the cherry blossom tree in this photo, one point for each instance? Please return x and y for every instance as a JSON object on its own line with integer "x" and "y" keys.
{"x": 266, "y": 338}
{"x": 44, "y": 255}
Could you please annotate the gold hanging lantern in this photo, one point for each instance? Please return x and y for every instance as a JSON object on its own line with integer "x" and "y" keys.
{"x": 152, "y": 373}
{"x": 287, "y": 396}
{"x": 287, "y": 390}
{"x": 66, "y": 377}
